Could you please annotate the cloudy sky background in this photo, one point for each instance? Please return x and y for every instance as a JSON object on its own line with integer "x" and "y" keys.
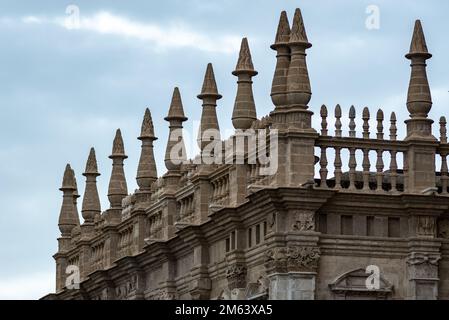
{"x": 63, "y": 90}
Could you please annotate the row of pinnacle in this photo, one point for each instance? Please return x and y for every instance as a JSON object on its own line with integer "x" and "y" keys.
{"x": 290, "y": 89}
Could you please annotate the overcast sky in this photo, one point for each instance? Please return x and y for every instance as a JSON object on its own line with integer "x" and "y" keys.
{"x": 65, "y": 89}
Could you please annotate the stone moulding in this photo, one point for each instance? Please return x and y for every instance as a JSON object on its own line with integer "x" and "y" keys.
{"x": 352, "y": 285}
{"x": 292, "y": 259}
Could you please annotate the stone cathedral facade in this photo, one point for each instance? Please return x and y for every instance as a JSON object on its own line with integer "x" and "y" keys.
{"x": 311, "y": 229}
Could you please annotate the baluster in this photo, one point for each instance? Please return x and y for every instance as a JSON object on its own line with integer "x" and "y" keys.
{"x": 366, "y": 169}
{"x": 393, "y": 170}
{"x": 220, "y": 190}
{"x": 214, "y": 191}
{"x": 443, "y": 130}
{"x": 217, "y": 191}
{"x": 226, "y": 188}
{"x": 323, "y": 113}
{"x": 352, "y": 125}
{"x": 337, "y": 165}
{"x": 380, "y": 127}
{"x": 181, "y": 206}
{"x": 393, "y": 128}
{"x": 444, "y": 173}
{"x": 323, "y": 168}
{"x": 365, "y": 117}
{"x": 338, "y": 121}
{"x": 380, "y": 169}
{"x": 352, "y": 168}
{"x": 223, "y": 188}
{"x": 190, "y": 207}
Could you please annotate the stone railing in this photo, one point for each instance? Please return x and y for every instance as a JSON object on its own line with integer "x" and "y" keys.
{"x": 220, "y": 190}
{"x": 97, "y": 256}
{"x": 186, "y": 209}
{"x": 387, "y": 175}
{"x": 74, "y": 260}
{"x": 157, "y": 189}
{"x": 125, "y": 243}
{"x": 154, "y": 225}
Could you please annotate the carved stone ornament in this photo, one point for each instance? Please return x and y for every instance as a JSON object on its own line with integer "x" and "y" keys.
{"x": 297, "y": 259}
{"x": 236, "y": 275}
{"x": 304, "y": 220}
{"x": 422, "y": 266}
{"x": 426, "y": 226}
{"x": 418, "y": 258}
{"x": 165, "y": 295}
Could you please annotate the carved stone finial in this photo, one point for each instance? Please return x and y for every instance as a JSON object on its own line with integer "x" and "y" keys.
{"x": 352, "y": 124}
{"x": 244, "y": 113}
{"x": 283, "y": 31}
{"x": 299, "y": 91}
{"x": 393, "y": 128}
{"x": 419, "y": 99}
{"x": 443, "y": 130}
{"x": 338, "y": 123}
{"x": 117, "y": 184}
{"x": 209, "y": 121}
{"x": 209, "y": 85}
{"x": 175, "y": 139}
{"x": 91, "y": 201}
{"x": 68, "y": 181}
{"x": 323, "y": 114}
{"x": 298, "y": 31}
{"x": 146, "y": 171}
{"x": 244, "y": 62}
{"x": 76, "y": 195}
{"x": 176, "y": 110}
{"x": 366, "y": 117}
{"x": 279, "y": 84}
{"x": 118, "y": 149}
{"x": 68, "y": 216}
{"x": 91, "y": 165}
{"x": 147, "y": 130}
{"x": 380, "y": 127}
{"x": 418, "y": 44}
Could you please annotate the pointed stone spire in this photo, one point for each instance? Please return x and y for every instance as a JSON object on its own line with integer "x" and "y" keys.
{"x": 283, "y": 31}
{"x": 244, "y": 113}
{"x": 67, "y": 216}
{"x": 298, "y": 31}
{"x": 209, "y": 122}
{"x": 279, "y": 85}
{"x": 418, "y": 44}
{"x": 175, "y": 153}
{"x": 117, "y": 184}
{"x": 75, "y": 198}
{"x": 147, "y": 171}
{"x": 209, "y": 85}
{"x": 298, "y": 84}
{"x": 91, "y": 201}
{"x": 419, "y": 99}
{"x": 176, "y": 110}
{"x": 245, "y": 62}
